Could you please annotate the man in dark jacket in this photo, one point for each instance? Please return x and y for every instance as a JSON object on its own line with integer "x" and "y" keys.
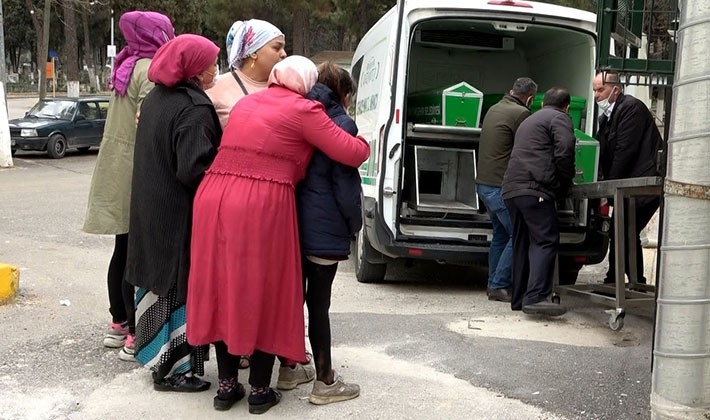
{"x": 629, "y": 141}
{"x": 497, "y": 134}
{"x": 541, "y": 168}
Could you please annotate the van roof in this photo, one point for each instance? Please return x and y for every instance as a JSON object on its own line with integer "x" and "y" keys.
{"x": 535, "y": 8}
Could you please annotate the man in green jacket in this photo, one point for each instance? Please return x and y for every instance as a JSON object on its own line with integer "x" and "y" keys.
{"x": 497, "y": 133}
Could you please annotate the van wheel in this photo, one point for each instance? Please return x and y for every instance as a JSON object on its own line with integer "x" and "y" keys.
{"x": 365, "y": 271}
{"x": 569, "y": 273}
{"x": 57, "y": 146}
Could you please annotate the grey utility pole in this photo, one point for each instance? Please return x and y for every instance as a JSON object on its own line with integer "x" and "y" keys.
{"x": 681, "y": 359}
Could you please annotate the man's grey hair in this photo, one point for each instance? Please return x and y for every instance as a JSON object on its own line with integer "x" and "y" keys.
{"x": 524, "y": 86}
{"x": 610, "y": 78}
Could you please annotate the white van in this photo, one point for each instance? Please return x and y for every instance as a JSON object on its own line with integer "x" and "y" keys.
{"x": 419, "y": 197}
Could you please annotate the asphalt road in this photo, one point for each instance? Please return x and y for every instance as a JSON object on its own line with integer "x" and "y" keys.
{"x": 425, "y": 344}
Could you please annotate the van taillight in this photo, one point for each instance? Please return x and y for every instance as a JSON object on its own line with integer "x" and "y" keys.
{"x": 509, "y": 3}
{"x": 580, "y": 260}
{"x": 415, "y": 252}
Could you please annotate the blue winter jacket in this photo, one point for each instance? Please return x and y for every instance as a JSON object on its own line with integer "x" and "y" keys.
{"x": 328, "y": 198}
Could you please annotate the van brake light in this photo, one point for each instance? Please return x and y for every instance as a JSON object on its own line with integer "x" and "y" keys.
{"x": 509, "y": 3}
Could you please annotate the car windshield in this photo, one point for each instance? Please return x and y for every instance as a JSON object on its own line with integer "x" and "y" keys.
{"x": 53, "y": 109}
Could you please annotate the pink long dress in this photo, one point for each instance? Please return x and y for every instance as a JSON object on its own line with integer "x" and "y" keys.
{"x": 245, "y": 277}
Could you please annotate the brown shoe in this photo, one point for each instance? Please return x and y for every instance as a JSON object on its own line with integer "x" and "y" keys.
{"x": 500, "y": 295}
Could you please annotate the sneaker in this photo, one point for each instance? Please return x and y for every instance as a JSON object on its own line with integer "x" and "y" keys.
{"x": 335, "y": 392}
{"x": 290, "y": 378}
{"x": 116, "y": 335}
{"x": 128, "y": 351}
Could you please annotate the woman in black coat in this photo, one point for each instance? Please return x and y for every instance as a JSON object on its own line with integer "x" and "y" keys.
{"x": 329, "y": 215}
{"x": 176, "y": 140}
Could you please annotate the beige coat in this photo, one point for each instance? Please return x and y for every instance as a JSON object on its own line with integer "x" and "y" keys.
{"x": 109, "y": 204}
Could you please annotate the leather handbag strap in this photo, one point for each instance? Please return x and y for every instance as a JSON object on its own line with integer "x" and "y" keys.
{"x": 241, "y": 84}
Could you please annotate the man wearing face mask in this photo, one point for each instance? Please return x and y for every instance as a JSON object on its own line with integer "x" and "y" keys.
{"x": 629, "y": 142}
{"x": 497, "y": 133}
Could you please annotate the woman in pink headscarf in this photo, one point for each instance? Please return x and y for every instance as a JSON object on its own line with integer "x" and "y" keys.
{"x": 109, "y": 200}
{"x": 245, "y": 278}
{"x": 176, "y": 141}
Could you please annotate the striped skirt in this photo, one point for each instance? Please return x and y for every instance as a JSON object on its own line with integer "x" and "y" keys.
{"x": 161, "y": 344}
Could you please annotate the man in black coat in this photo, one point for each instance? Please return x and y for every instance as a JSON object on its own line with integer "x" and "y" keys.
{"x": 541, "y": 168}
{"x": 629, "y": 142}
{"x": 494, "y": 148}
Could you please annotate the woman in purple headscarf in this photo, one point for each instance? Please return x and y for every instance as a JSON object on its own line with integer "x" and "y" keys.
{"x": 109, "y": 199}
{"x": 176, "y": 141}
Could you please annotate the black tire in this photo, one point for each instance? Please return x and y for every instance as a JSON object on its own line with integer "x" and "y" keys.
{"x": 569, "y": 273}
{"x": 57, "y": 146}
{"x": 83, "y": 149}
{"x": 365, "y": 271}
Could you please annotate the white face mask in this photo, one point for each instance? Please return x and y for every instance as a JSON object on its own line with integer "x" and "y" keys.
{"x": 604, "y": 104}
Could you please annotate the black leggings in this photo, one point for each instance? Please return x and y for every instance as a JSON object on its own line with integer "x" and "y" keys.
{"x": 121, "y": 294}
{"x": 261, "y": 365}
{"x": 317, "y": 286}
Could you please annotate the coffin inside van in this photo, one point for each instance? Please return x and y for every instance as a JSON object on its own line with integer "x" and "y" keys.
{"x": 438, "y": 179}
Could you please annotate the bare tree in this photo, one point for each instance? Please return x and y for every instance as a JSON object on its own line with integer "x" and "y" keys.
{"x": 71, "y": 48}
{"x": 88, "y": 51}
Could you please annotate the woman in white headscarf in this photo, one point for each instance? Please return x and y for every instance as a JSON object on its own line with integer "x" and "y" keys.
{"x": 245, "y": 287}
{"x": 253, "y": 48}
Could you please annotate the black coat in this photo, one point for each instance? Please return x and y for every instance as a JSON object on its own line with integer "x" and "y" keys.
{"x": 328, "y": 198}
{"x": 542, "y": 161}
{"x": 629, "y": 140}
{"x": 176, "y": 141}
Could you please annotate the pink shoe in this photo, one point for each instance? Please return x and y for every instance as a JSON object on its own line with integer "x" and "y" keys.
{"x": 116, "y": 335}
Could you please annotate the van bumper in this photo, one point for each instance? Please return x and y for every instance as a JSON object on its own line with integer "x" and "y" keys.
{"x": 449, "y": 252}
{"x": 592, "y": 250}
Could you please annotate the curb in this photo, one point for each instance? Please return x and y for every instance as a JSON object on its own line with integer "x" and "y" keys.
{"x": 9, "y": 282}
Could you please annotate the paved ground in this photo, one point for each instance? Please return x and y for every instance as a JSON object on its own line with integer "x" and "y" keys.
{"x": 425, "y": 344}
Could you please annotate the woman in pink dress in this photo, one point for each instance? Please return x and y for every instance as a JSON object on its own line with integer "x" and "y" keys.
{"x": 245, "y": 286}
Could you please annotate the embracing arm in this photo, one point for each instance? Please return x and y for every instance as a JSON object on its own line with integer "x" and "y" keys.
{"x": 338, "y": 145}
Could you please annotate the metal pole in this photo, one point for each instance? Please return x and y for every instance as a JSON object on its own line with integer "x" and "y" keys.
{"x": 681, "y": 369}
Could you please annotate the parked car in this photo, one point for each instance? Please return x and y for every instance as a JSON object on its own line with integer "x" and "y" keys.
{"x": 56, "y": 124}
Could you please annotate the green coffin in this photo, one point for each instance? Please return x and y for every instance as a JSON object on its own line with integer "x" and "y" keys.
{"x": 458, "y": 105}
{"x": 586, "y": 158}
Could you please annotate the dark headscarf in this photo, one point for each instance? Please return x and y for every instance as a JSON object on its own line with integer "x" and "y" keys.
{"x": 181, "y": 59}
{"x": 144, "y": 33}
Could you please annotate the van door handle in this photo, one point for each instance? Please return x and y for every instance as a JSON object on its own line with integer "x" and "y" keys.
{"x": 394, "y": 150}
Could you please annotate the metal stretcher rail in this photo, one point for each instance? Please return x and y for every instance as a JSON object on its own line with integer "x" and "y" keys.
{"x": 621, "y": 295}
